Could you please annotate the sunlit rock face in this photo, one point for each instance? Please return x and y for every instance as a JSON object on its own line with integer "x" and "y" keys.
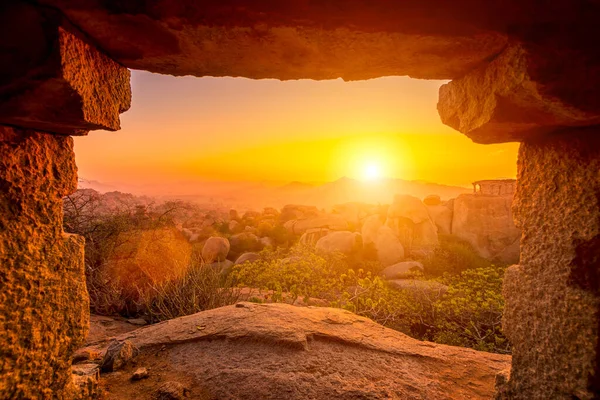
{"x": 278, "y": 351}
{"x": 506, "y": 102}
{"x": 56, "y": 81}
{"x": 44, "y": 304}
{"x": 486, "y": 222}
{"x": 553, "y": 296}
{"x": 409, "y": 219}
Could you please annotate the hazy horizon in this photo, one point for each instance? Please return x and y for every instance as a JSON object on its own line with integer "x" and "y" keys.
{"x": 241, "y": 130}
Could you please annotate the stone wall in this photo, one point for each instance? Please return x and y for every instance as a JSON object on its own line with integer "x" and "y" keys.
{"x": 552, "y": 297}
{"x": 43, "y": 299}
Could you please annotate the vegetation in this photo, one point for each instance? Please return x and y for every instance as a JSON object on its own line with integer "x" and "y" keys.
{"x": 138, "y": 263}
{"x": 467, "y": 314}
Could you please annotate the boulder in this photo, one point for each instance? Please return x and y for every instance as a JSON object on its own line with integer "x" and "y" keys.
{"x": 327, "y": 221}
{"x": 247, "y": 257}
{"x": 117, "y": 355}
{"x": 402, "y": 270}
{"x": 244, "y": 242}
{"x": 280, "y": 351}
{"x": 486, "y": 222}
{"x": 345, "y": 242}
{"x": 233, "y": 226}
{"x": 266, "y": 241}
{"x": 171, "y": 390}
{"x": 442, "y": 218}
{"x": 215, "y": 249}
{"x": 222, "y": 267}
{"x": 432, "y": 200}
{"x": 388, "y": 247}
{"x": 370, "y": 228}
{"x": 312, "y": 236}
{"x": 409, "y": 219}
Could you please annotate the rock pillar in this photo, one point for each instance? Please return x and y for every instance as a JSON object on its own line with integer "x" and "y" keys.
{"x": 553, "y": 296}
{"x": 43, "y": 299}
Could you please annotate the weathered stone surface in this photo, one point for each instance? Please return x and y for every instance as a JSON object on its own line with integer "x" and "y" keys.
{"x": 61, "y": 84}
{"x": 370, "y": 228}
{"x": 553, "y": 296}
{"x": 411, "y": 223}
{"x": 312, "y": 236}
{"x": 402, "y": 270}
{"x": 442, "y": 217}
{"x": 215, "y": 249}
{"x": 332, "y": 222}
{"x": 117, "y": 355}
{"x": 432, "y": 200}
{"x": 486, "y": 222}
{"x": 506, "y": 102}
{"x": 294, "y": 40}
{"x": 388, "y": 247}
{"x": 345, "y": 242}
{"x": 278, "y": 351}
{"x": 247, "y": 257}
{"x": 43, "y": 298}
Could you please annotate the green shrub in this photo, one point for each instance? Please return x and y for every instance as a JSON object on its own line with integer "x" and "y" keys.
{"x": 453, "y": 256}
{"x": 467, "y": 314}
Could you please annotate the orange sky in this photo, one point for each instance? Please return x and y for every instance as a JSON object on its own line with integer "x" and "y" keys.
{"x": 312, "y": 131}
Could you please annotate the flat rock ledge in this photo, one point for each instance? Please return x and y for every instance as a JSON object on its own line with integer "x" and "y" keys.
{"x": 275, "y": 351}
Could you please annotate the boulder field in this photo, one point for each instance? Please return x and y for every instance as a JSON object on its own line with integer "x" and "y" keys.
{"x": 278, "y": 351}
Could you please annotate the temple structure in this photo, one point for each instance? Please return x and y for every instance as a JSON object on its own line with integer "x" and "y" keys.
{"x": 495, "y": 187}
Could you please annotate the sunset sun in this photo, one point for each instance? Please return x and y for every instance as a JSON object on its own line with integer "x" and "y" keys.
{"x": 372, "y": 172}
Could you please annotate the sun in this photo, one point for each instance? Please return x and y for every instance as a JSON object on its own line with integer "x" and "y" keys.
{"x": 372, "y": 172}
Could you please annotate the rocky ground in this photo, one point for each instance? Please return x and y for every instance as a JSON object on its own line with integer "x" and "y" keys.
{"x": 279, "y": 351}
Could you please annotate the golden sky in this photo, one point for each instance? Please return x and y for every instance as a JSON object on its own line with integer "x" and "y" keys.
{"x": 238, "y": 129}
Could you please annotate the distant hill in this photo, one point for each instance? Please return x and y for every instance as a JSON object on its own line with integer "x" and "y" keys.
{"x": 257, "y": 195}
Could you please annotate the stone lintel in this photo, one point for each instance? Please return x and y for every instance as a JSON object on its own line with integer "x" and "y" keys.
{"x": 55, "y": 80}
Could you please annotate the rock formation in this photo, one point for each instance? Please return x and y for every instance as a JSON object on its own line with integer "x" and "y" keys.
{"x": 274, "y": 351}
{"x": 44, "y": 304}
{"x": 215, "y": 249}
{"x": 411, "y": 223}
{"x": 327, "y": 221}
{"x": 486, "y": 222}
{"x": 345, "y": 242}
{"x": 402, "y": 270}
{"x": 520, "y": 71}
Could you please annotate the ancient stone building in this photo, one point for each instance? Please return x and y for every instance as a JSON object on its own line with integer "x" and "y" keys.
{"x": 518, "y": 70}
{"x": 495, "y": 187}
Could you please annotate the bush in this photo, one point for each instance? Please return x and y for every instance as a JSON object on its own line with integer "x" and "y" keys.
{"x": 468, "y": 314}
{"x": 201, "y": 288}
{"x": 453, "y": 256}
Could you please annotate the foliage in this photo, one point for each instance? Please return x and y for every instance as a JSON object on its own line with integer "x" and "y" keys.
{"x": 467, "y": 314}
{"x": 201, "y": 288}
{"x": 453, "y": 256}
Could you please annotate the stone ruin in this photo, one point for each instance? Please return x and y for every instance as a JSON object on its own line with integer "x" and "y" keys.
{"x": 495, "y": 187}
{"x": 519, "y": 71}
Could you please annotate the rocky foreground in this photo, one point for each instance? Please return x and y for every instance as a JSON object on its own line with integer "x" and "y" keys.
{"x": 279, "y": 351}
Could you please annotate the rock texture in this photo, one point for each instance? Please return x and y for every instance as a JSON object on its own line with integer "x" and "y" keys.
{"x": 215, "y": 249}
{"x": 486, "y": 222}
{"x": 553, "y": 296}
{"x": 504, "y": 102}
{"x": 331, "y": 222}
{"x": 411, "y": 223}
{"x": 43, "y": 298}
{"x": 402, "y": 270}
{"x": 441, "y": 215}
{"x": 295, "y": 40}
{"x": 60, "y": 83}
{"x": 345, "y": 242}
{"x": 388, "y": 247}
{"x": 276, "y": 351}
